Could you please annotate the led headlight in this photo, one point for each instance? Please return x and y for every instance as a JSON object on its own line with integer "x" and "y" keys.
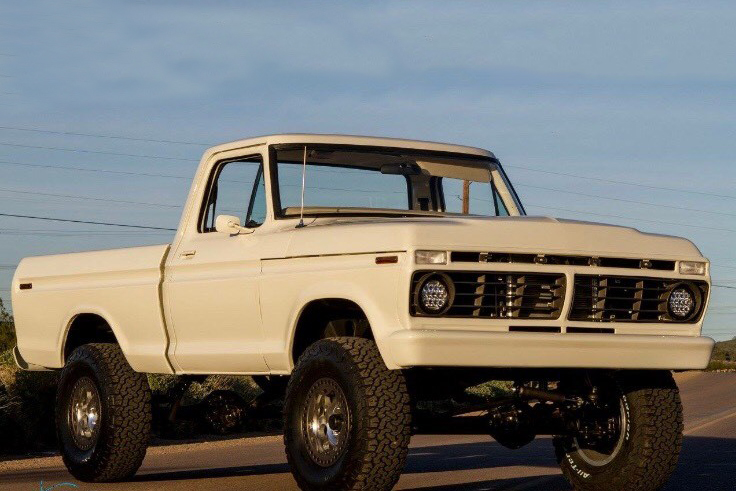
{"x": 692, "y": 267}
{"x": 434, "y": 296}
{"x": 434, "y": 293}
{"x": 681, "y": 302}
{"x": 430, "y": 257}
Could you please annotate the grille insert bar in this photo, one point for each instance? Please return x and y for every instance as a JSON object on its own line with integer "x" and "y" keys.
{"x": 498, "y": 295}
{"x": 626, "y": 299}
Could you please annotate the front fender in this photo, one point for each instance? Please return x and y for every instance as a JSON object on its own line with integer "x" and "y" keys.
{"x": 374, "y": 289}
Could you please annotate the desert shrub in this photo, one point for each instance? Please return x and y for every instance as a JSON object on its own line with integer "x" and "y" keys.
{"x": 26, "y": 408}
{"x": 7, "y": 329}
{"x": 241, "y": 385}
{"x": 725, "y": 351}
{"x": 720, "y": 365}
{"x": 494, "y": 388}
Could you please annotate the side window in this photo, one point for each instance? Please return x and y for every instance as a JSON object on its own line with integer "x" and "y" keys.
{"x": 236, "y": 188}
{"x": 501, "y": 210}
{"x": 483, "y": 198}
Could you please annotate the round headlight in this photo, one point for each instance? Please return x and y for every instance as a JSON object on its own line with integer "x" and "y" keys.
{"x": 681, "y": 302}
{"x": 434, "y": 296}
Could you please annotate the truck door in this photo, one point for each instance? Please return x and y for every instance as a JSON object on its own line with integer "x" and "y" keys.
{"x": 211, "y": 278}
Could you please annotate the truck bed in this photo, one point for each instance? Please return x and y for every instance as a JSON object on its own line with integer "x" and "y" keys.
{"x": 49, "y": 292}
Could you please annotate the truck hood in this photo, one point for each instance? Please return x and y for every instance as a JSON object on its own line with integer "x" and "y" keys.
{"x": 525, "y": 234}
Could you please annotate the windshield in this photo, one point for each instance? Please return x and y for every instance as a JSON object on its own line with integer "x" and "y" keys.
{"x": 342, "y": 180}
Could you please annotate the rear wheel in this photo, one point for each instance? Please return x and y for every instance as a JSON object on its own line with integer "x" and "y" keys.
{"x": 631, "y": 440}
{"x": 103, "y": 414}
{"x": 346, "y": 418}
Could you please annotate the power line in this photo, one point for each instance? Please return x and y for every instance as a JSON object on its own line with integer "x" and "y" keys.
{"x": 726, "y": 286}
{"x": 171, "y": 176}
{"x": 624, "y": 200}
{"x": 613, "y": 181}
{"x": 76, "y": 236}
{"x": 80, "y": 150}
{"x": 94, "y": 135}
{"x": 180, "y": 142}
{"x": 618, "y": 216}
{"x": 86, "y": 221}
{"x": 73, "y": 196}
{"x": 84, "y": 169}
{"x": 83, "y": 231}
{"x": 78, "y": 233}
{"x": 632, "y": 218}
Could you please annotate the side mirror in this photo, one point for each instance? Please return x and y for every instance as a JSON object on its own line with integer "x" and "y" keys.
{"x": 228, "y": 224}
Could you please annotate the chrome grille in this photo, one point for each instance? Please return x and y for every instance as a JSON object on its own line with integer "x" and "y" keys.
{"x": 625, "y": 299}
{"x": 493, "y": 295}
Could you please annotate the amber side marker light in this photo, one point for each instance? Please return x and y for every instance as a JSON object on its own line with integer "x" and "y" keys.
{"x": 387, "y": 259}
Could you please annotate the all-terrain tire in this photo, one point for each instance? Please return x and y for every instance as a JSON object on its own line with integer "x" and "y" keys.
{"x": 652, "y": 438}
{"x": 378, "y": 404}
{"x": 125, "y": 415}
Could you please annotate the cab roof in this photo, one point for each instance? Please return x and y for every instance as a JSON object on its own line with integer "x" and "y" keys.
{"x": 372, "y": 141}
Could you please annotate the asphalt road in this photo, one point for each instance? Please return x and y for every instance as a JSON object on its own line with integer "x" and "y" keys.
{"x": 707, "y": 462}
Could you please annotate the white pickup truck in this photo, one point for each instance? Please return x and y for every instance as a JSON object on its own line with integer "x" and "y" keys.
{"x": 375, "y": 275}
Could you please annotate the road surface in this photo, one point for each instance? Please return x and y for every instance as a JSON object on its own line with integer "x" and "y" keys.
{"x": 436, "y": 463}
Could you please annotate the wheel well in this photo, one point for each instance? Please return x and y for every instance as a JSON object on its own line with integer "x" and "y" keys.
{"x": 87, "y": 328}
{"x": 329, "y": 317}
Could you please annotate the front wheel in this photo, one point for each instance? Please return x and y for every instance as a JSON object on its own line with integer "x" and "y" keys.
{"x": 103, "y": 414}
{"x": 346, "y": 418}
{"x": 631, "y": 441}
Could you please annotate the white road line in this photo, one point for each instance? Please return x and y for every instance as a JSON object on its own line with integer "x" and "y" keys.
{"x": 717, "y": 418}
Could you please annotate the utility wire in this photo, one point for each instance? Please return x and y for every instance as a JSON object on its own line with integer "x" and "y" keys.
{"x": 633, "y": 218}
{"x": 80, "y": 150}
{"x": 171, "y": 176}
{"x": 613, "y": 181}
{"x": 85, "y": 169}
{"x": 79, "y": 233}
{"x": 597, "y": 196}
{"x": 74, "y": 196}
{"x": 86, "y": 221}
{"x": 153, "y": 140}
{"x": 726, "y": 286}
{"x": 618, "y": 216}
{"x": 94, "y": 135}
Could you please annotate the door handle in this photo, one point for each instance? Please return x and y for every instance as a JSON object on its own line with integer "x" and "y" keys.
{"x": 187, "y": 254}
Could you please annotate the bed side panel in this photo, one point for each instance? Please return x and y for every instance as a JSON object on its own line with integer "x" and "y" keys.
{"x": 120, "y": 285}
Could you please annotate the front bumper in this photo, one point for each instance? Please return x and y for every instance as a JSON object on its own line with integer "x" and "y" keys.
{"x": 410, "y": 348}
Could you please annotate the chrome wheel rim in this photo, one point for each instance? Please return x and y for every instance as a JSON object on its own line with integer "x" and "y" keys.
{"x": 84, "y": 413}
{"x": 597, "y": 458}
{"x": 326, "y": 422}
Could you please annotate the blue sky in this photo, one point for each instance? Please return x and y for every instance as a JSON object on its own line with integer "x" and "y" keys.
{"x": 623, "y": 91}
